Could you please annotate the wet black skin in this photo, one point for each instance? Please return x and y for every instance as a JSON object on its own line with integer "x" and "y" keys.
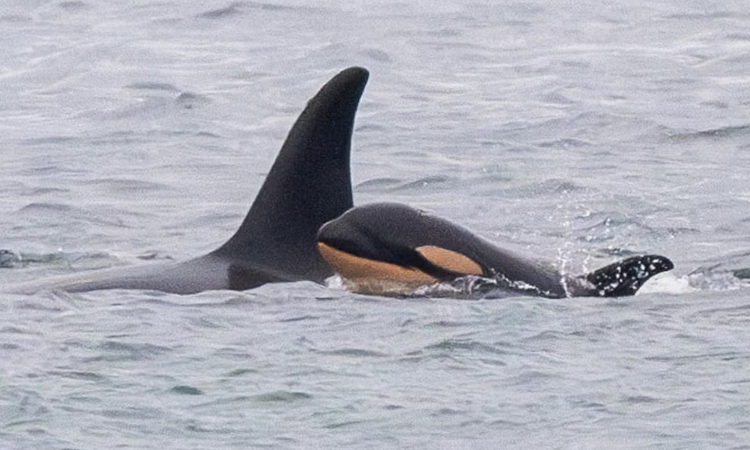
{"x": 308, "y": 185}
{"x": 391, "y": 233}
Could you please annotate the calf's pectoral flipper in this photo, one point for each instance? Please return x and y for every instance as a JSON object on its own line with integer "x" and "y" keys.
{"x": 622, "y": 278}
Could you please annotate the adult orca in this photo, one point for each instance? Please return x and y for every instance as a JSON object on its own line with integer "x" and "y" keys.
{"x": 386, "y": 248}
{"x": 308, "y": 185}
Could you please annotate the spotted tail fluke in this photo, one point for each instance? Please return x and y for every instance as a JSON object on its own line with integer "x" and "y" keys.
{"x": 625, "y": 277}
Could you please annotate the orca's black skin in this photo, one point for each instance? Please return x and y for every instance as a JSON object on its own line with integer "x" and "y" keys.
{"x": 308, "y": 185}
{"x": 393, "y": 233}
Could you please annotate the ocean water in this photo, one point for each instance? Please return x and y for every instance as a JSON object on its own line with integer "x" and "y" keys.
{"x": 575, "y": 133}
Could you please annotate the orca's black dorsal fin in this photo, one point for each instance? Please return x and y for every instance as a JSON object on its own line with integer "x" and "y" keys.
{"x": 625, "y": 277}
{"x": 308, "y": 185}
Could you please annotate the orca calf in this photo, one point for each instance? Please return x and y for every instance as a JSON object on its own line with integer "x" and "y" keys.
{"x": 389, "y": 248}
{"x": 308, "y": 185}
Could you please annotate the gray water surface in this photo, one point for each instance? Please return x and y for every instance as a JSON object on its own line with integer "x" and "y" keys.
{"x": 576, "y": 133}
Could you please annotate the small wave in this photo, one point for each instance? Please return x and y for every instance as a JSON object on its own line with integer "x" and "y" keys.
{"x": 473, "y": 287}
{"x": 155, "y": 256}
{"x": 8, "y": 259}
{"x": 609, "y": 228}
{"x": 55, "y": 263}
{"x": 454, "y": 345}
{"x": 44, "y": 211}
{"x": 530, "y": 377}
{"x": 565, "y": 143}
{"x": 725, "y": 356}
{"x": 221, "y": 13}
{"x": 132, "y": 413}
{"x": 359, "y": 352}
{"x": 462, "y": 288}
{"x": 40, "y": 191}
{"x": 189, "y": 100}
{"x": 236, "y": 8}
{"x": 54, "y": 140}
{"x": 546, "y": 187}
{"x": 11, "y": 259}
{"x": 50, "y": 170}
{"x": 240, "y": 373}
{"x": 701, "y": 15}
{"x": 15, "y": 18}
{"x": 423, "y": 183}
{"x": 635, "y": 399}
{"x": 78, "y": 375}
{"x": 153, "y": 86}
{"x": 619, "y": 252}
{"x": 376, "y": 55}
{"x": 342, "y": 424}
{"x": 299, "y": 318}
{"x": 46, "y": 207}
{"x": 281, "y": 396}
{"x": 378, "y": 184}
{"x": 113, "y": 351}
{"x": 717, "y": 277}
{"x": 124, "y": 185}
{"x": 739, "y": 131}
{"x": 157, "y": 105}
{"x": 186, "y": 390}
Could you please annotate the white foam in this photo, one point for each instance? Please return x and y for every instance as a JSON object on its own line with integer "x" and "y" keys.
{"x": 667, "y": 283}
